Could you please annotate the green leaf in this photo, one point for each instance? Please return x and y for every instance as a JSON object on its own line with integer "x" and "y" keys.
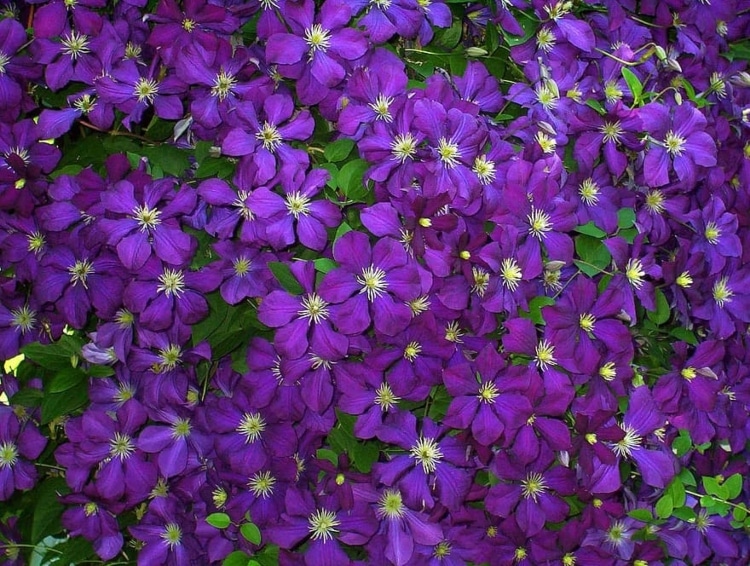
{"x": 66, "y": 379}
{"x": 594, "y": 255}
{"x": 677, "y": 492}
{"x": 329, "y": 455}
{"x": 664, "y": 507}
{"x": 237, "y": 558}
{"x": 685, "y": 335}
{"x": 684, "y": 514}
{"x": 739, "y": 513}
{"x": 76, "y": 550}
{"x": 535, "y": 308}
{"x": 324, "y": 265}
{"x": 682, "y": 444}
{"x": 251, "y": 532}
{"x": 596, "y": 105}
{"x": 66, "y": 403}
{"x": 95, "y": 370}
{"x": 341, "y": 230}
{"x": 713, "y": 487}
{"x": 686, "y": 476}
{"x": 47, "y": 509}
{"x": 625, "y": 218}
{"x": 338, "y": 150}
{"x": 449, "y": 37}
{"x": 590, "y": 229}
{"x": 662, "y": 312}
{"x": 219, "y": 520}
{"x": 167, "y": 158}
{"x": 333, "y": 172}
{"x": 641, "y": 515}
{"x": 634, "y": 84}
{"x": 269, "y": 556}
{"x": 350, "y": 180}
{"x": 733, "y": 485}
{"x": 58, "y": 355}
{"x": 285, "y": 277}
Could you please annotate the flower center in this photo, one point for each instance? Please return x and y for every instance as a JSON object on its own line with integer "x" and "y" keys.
{"x": 146, "y": 90}
{"x": 125, "y": 392}
{"x": 385, "y": 398}
{"x": 169, "y": 357}
{"x": 488, "y": 392}
{"x": 121, "y": 446}
{"x": 630, "y": 441}
{"x": 219, "y": 497}
{"x": 23, "y": 319}
{"x": 241, "y": 266}
{"x": 481, "y": 281}
{"x": 612, "y": 92}
{"x": 84, "y": 104}
{"x": 269, "y": 136}
{"x": 172, "y": 282}
{"x": 655, "y": 202}
{"x": 688, "y": 373}
{"x": 181, "y": 428}
{"x": 382, "y": 4}
{"x": 718, "y": 85}
{"x": 448, "y": 152}
{"x": 317, "y": 38}
{"x": 484, "y": 169}
{"x": 382, "y": 107}
{"x": 223, "y": 85}
{"x": 510, "y": 273}
{"x": 74, "y": 44}
{"x": 539, "y": 223}
{"x": 373, "y": 282}
{"x": 20, "y": 152}
{"x": 608, "y": 371}
{"x": 722, "y": 293}
{"x": 314, "y": 308}
{"x": 419, "y": 305}
{"x": 4, "y": 60}
{"x": 546, "y": 143}
{"x": 90, "y": 509}
{"x": 323, "y": 524}
{"x": 403, "y": 147}
{"x": 546, "y": 96}
{"x": 412, "y": 350}
{"x": 453, "y": 332}
{"x": 244, "y": 210}
{"x": 559, "y": 10}
{"x": 587, "y": 321}
{"x": 712, "y": 232}
{"x": 441, "y": 550}
{"x": 520, "y": 554}
{"x": 391, "y": 505}
{"x": 172, "y": 535}
{"x": 80, "y": 271}
{"x": 148, "y": 218}
{"x": 533, "y": 486}
{"x": 684, "y": 279}
{"x": 617, "y": 534}
{"x": 297, "y": 203}
{"x": 188, "y": 25}
{"x": 133, "y": 51}
{"x": 674, "y": 143}
{"x": 124, "y": 318}
{"x": 251, "y": 427}
{"x": 261, "y": 484}
{"x": 545, "y": 39}
{"x": 428, "y": 453}
{"x": 545, "y": 355}
{"x": 8, "y": 455}
{"x": 589, "y": 192}
{"x": 612, "y": 131}
{"x": 634, "y": 272}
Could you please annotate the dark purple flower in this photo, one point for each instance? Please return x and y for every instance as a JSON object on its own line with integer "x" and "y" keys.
{"x": 383, "y": 20}
{"x": 680, "y": 139}
{"x": 20, "y": 444}
{"x": 146, "y": 222}
{"x": 95, "y": 519}
{"x": 373, "y": 284}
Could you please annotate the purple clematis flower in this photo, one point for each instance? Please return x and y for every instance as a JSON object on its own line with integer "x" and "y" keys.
{"x": 20, "y": 444}
{"x": 147, "y": 223}
{"x": 436, "y": 467}
{"x": 488, "y": 397}
{"x": 680, "y": 140}
{"x": 95, "y": 519}
{"x": 534, "y": 496}
{"x": 373, "y": 284}
{"x": 716, "y": 234}
{"x": 383, "y": 20}
{"x": 318, "y": 49}
{"x": 302, "y": 321}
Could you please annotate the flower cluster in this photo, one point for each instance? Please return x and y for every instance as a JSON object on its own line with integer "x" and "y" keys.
{"x": 286, "y": 288}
